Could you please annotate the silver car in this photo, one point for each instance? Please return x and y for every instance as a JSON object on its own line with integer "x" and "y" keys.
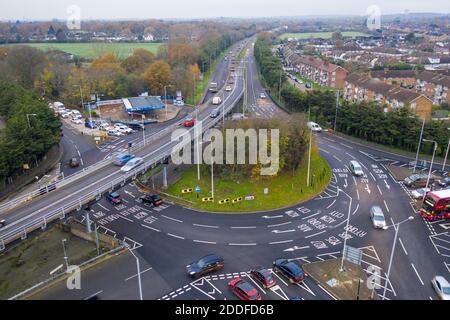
{"x": 419, "y": 193}
{"x": 377, "y": 217}
{"x": 442, "y": 287}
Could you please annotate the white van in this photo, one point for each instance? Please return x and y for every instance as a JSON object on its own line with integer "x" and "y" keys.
{"x": 216, "y": 100}
{"x": 314, "y": 127}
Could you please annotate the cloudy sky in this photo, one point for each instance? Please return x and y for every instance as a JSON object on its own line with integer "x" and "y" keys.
{"x": 139, "y": 9}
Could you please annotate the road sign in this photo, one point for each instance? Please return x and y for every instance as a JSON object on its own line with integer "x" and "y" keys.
{"x": 249, "y": 198}
{"x": 353, "y": 255}
{"x": 197, "y": 189}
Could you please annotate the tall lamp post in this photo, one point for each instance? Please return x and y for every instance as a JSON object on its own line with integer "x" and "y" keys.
{"x": 396, "y": 227}
{"x": 165, "y": 97}
{"x": 446, "y": 154}
{"x": 431, "y": 165}
{"x": 310, "y": 148}
{"x": 82, "y": 102}
{"x": 66, "y": 258}
{"x": 418, "y": 147}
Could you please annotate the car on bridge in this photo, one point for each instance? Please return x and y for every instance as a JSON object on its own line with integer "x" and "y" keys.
{"x": 114, "y": 198}
{"x": 228, "y": 88}
{"x": 289, "y": 269}
{"x": 243, "y": 289}
{"x": 153, "y": 199}
{"x": 133, "y": 163}
{"x": 215, "y": 113}
{"x": 122, "y": 159}
{"x": 74, "y": 163}
{"x": 263, "y": 276}
{"x": 377, "y": 217}
{"x": 189, "y": 122}
{"x": 207, "y": 264}
{"x": 2, "y": 223}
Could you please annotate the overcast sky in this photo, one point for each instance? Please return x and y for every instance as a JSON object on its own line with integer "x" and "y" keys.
{"x": 141, "y": 9}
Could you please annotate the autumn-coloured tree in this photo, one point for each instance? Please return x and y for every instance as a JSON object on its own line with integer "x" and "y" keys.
{"x": 157, "y": 76}
{"x": 132, "y": 64}
{"x": 146, "y": 56}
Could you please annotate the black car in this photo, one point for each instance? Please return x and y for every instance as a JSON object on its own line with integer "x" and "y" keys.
{"x": 2, "y": 223}
{"x": 289, "y": 269}
{"x": 114, "y": 198}
{"x": 74, "y": 162}
{"x": 153, "y": 199}
{"x": 445, "y": 182}
{"x": 207, "y": 264}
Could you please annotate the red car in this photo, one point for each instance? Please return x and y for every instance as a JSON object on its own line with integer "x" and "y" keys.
{"x": 189, "y": 122}
{"x": 263, "y": 276}
{"x": 244, "y": 290}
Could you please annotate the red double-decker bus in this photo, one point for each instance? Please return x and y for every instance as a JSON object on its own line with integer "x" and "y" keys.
{"x": 436, "y": 205}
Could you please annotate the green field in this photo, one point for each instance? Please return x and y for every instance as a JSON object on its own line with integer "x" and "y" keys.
{"x": 322, "y": 35}
{"x": 93, "y": 50}
{"x": 284, "y": 190}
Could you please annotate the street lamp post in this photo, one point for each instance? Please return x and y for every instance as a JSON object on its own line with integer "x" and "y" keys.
{"x": 143, "y": 124}
{"x": 431, "y": 165}
{"x": 446, "y": 154}
{"x": 346, "y": 228}
{"x": 28, "y": 118}
{"x": 165, "y": 97}
{"x": 396, "y": 227}
{"x": 66, "y": 258}
{"x": 310, "y": 148}
{"x": 82, "y": 102}
{"x": 138, "y": 271}
{"x": 212, "y": 174}
{"x": 418, "y": 147}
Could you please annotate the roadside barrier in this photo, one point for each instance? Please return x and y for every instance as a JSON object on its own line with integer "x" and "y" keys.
{"x": 208, "y": 199}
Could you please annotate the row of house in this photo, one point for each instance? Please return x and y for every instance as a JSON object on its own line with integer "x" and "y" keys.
{"x": 315, "y": 69}
{"x": 434, "y": 85}
{"x": 363, "y": 88}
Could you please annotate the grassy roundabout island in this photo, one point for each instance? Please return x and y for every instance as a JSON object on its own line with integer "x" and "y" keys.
{"x": 284, "y": 190}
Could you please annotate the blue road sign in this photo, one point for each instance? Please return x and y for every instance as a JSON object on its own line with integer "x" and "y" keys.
{"x": 197, "y": 189}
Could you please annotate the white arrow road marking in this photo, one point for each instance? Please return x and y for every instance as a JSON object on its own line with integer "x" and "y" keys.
{"x": 345, "y": 183}
{"x": 295, "y": 248}
{"x": 367, "y": 188}
{"x": 387, "y": 185}
{"x": 279, "y": 292}
{"x": 283, "y": 231}
{"x": 214, "y": 288}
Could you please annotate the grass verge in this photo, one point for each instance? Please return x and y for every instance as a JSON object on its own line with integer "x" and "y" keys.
{"x": 284, "y": 190}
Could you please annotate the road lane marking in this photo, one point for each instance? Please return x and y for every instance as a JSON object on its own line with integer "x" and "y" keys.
{"x": 207, "y": 242}
{"x": 135, "y": 275}
{"x": 175, "y": 236}
{"x": 249, "y": 227}
{"x": 315, "y": 234}
{"x": 331, "y": 204}
{"x": 280, "y": 224}
{"x": 418, "y": 276}
{"x": 404, "y": 249}
{"x": 379, "y": 189}
{"x": 248, "y": 276}
{"x": 176, "y": 220}
{"x": 385, "y": 204}
{"x": 280, "y": 242}
{"x": 337, "y": 158}
{"x": 310, "y": 216}
{"x": 103, "y": 207}
{"x": 242, "y": 244}
{"x": 93, "y": 295}
{"x": 125, "y": 218}
{"x": 276, "y": 275}
{"x": 357, "y": 194}
{"x": 205, "y": 226}
{"x": 145, "y": 226}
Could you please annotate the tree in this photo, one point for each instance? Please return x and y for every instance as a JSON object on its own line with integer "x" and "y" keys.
{"x": 157, "y": 76}
{"x": 26, "y": 64}
{"x": 132, "y": 64}
{"x": 337, "y": 35}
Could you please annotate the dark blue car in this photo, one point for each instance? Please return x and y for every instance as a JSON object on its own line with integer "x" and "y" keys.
{"x": 122, "y": 159}
{"x": 90, "y": 125}
{"x": 290, "y": 269}
{"x": 207, "y": 264}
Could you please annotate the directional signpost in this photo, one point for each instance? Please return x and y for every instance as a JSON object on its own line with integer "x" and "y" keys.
{"x": 197, "y": 190}
{"x": 353, "y": 255}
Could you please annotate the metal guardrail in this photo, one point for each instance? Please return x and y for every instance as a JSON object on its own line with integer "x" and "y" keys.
{"x": 60, "y": 213}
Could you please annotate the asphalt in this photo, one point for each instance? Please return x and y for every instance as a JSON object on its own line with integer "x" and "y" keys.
{"x": 169, "y": 237}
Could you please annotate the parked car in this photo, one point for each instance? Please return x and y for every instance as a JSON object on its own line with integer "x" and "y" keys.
{"x": 132, "y": 164}
{"x": 290, "y": 269}
{"x": 65, "y": 115}
{"x": 442, "y": 287}
{"x": 263, "y": 276}
{"x": 418, "y": 180}
{"x": 2, "y": 223}
{"x": 419, "y": 193}
{"x": 207, "y": 264}
{"x": 445, "y": 182}
{"x": 114, "y": 133}
{"x": 215, "y": 113}
{"x": 114, "y": 198}
{"x": 189, "y": 122}
{"x": 90, "y": 125}
{"x": 136, "y": 126}
{"x": 377, "y": 217}
{"x": 308, "y": 85}
{"x": 76, "y": 121}
{"x": 314, "y": 126}
{"x": 124, "y": 129}
{"x": 122, "y": 159}
{"x": 153, "y": 199}
{"x": 244, "y": 290}
{"x": 356, "y": 168}
{"x": 104, "y": 126}
{"x": 73, "y": 163}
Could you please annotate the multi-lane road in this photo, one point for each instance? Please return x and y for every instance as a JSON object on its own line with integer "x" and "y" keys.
{"x": 169, "y": 237}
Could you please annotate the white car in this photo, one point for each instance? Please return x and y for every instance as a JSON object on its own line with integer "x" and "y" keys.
{"x": 262, "y": 95}
{"x": 419, "y": 193}
{"x": 124, "y": 130}
{"x": 377, "y": 217}
{"x": 104, "y": 127}
{"x": 76, "y": 121}
{"x": 314, "y": 127}
{"x": 442, "y": 287}
{"x": 133, "y": 163}
{"x": 65, "y": 115}
{"x": 114, "y": 133}
{"x": 356, "y": 168}
{"x": 228, "y": 88}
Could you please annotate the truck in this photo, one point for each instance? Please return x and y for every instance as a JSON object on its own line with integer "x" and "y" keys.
{"x": 213, "y": 87}
{"x": 216, "y": 100}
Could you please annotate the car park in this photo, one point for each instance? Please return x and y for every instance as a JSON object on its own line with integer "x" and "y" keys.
{"x": 153, "y": 199}
{"x": 442, "y": 287}
{"x": 204, "y": 265}
{"x": 289, "y": 269}
{"x": 418, "y": 180}
{"x": 132, "y": 164}
{"x": 189, "y": 122}
{"x": 122, "y": 159}
{"x": 244, "y": 290}
{"x": 263, "y": 276}
{"x": 114, "y": 198}
{"x": 377, "y": 217}
{"x": 356, "y": 168}
{"x": 419, "y": 193}
{"x": 2, "y": 223}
